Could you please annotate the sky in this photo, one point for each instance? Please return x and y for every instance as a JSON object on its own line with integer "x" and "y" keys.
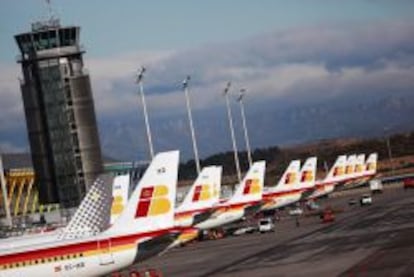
{"x": 286, "y": 53}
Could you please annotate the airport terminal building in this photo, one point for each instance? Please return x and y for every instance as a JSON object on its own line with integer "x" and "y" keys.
{"x": 60, "y": 114}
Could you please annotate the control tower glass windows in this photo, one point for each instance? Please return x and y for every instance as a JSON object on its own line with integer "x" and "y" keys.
{"x": 67, "y": 36}
{"x": 45, "y": 40}
{"x": 25, "y": 43}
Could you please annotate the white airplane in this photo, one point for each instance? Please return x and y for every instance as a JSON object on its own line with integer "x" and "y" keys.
{"x": 355, "y": 171}
{"x": 367, "y": 169}
{"x": 246, "y": 199}
{"x": 360, "y": 166}
{"x": 350, "y": 167}
{"x": 371, "y": 165}
{"x": 119, "y": 196}
{"x": 144, "y": 228}
{"x": 201, "y": 197}
{"x": 197, "y": 204}
{"x": 334, "y": 177}
{"x": 97, "y": 201}
{"x": 293, "y": 186}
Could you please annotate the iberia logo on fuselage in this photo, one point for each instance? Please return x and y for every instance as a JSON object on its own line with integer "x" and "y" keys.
{"x": 153, "y": 201}
{"x": 252, "y": 186}
{"x": 201, "y": 193}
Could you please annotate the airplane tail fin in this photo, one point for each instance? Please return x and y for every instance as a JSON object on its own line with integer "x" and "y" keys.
{"x": 251, "y": 187}
{"x": 337, "y": 172}
{"x": 307, "y": 173}
{"x": 289, "y": 178}
{"x": 119, "y": 196}
{"x": 350, "y": 166}
{"x": 360, "y": 165}
{"x": 151, "y": 205}
{"x": 92, "y": 215}
{"x": 371, "y": 164}
{"x": 204, "y": 192}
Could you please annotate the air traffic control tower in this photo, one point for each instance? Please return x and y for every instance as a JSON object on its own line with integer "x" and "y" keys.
{"x": 60, "y": 115}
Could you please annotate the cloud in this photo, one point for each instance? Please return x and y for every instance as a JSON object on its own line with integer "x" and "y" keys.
{"x": 287, "y": 68}
{"x": 11, "y": 106}
{"x": 335, "y": 59}
{"x": 8, "y": 147}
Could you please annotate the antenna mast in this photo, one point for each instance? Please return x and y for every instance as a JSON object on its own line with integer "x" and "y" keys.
{"x": 49, "y": 9}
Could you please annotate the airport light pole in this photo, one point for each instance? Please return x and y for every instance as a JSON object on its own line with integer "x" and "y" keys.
{"x": 4, "y": 193}
{"x": 243, "y": 116}
{"x": 236, "y": 156}
{"x": 144, "y": 105}
{"x": 387, "y": 141}
{"x": 190, "y": 119}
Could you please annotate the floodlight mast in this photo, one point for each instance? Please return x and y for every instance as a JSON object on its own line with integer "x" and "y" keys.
{"x": 144, "y": 105}
{"x": 236, "y": 156}
{"x": 387, "y": 141}
{"x": 190, "y": 120}
{"x": 246, "y": 135}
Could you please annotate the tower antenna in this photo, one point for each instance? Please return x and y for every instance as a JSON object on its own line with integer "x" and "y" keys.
{"x": 49, "y": 9}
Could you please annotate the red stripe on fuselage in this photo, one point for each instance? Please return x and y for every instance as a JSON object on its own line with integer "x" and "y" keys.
{"x": 236, "y": 205}
{"x": 268, "y": 195}
{"x": 75, "y": 248}
{"x": 191, "y": 212}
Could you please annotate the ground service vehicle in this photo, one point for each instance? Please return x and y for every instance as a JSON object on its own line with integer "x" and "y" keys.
{"x": 266, "y": 225}
{"x": 408, "y": 183}
{"x": 366, "y": 199}
{"x": 327, "y": 216}
{"x": 375, "y": 185}
{"x": 296, "y": 211}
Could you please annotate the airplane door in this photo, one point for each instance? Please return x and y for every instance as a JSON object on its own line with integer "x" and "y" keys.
{"x": 105, "y": 254}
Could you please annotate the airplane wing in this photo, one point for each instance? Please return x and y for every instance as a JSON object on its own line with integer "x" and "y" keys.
{"x": 156, "y": 245}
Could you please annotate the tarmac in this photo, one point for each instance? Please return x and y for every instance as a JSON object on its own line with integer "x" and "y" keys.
{"x": 376, "y": 240}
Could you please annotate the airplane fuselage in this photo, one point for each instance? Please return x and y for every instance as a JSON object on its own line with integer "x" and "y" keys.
{"x": 225, "y": 214}
{"x": 278, "y": 199}
{"x": 84, "y": 257}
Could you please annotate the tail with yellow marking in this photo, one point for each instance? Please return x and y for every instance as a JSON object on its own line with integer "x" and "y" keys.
{"x": 92, "y": 215}
{"x": 307, "y": 173}
{"x": 289, "y": 178}
{"x": 251, "y": 187}
{"x": 350, "y": 166}
{"x": 151, "y": 205}
{"x": 360, "y": 165}
{"x": 205, "y": 191}
{"x": 337, "y": 172}
{"x": 371, "y": 164}
{"x": 119, "y": 196}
